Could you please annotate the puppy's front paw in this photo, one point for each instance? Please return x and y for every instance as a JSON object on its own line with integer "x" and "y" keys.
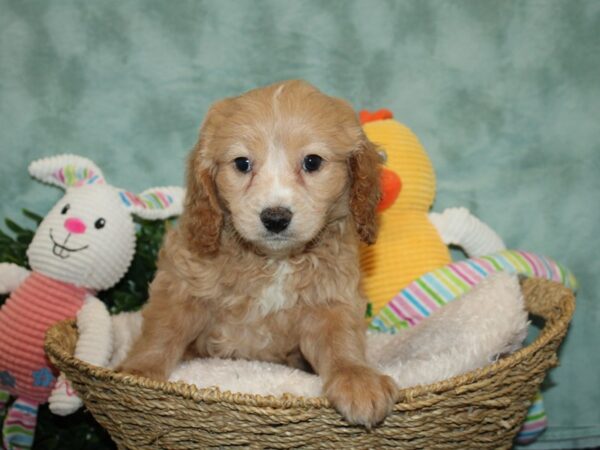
{"x": 362, "y": 395}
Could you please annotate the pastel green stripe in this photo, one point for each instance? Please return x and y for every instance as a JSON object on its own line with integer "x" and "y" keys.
{"x": 509, "y": 258}
{"x": 519, "y": 262}
{"x": 392, "y": 318}
{"x": 156, "y": 199}
{"x": 431, "y": 293}
{"x": 462, "y": 286}
{"x": 70, "y": 175}
{"x": 573, "y": 283}
{"x": 17, "y": 429}
{"x": 536, "y": 417}
{"x": 385, "y": 318}
{"x": 493, "y": 262}
{"x": 403, "y": 324}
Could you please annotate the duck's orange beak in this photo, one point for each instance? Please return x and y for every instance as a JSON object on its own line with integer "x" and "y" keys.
{"x": 368, "y": 116}
{"x": 391, "y": 185}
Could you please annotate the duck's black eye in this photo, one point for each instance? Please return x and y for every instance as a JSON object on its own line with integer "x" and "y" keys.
{"x": 100, "y": 223}
{"x": 243, "y": 164}
{"x": 312, "y": 163}
{"x": 65, "y": 209}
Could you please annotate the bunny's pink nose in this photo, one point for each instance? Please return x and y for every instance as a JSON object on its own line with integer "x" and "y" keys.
{"x": 74, "y": 225}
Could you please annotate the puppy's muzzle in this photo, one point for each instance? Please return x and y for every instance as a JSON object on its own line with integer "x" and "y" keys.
{"x": 277, "y": 219}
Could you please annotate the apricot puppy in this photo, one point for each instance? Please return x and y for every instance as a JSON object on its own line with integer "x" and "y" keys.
{"x": 281, "y": 188}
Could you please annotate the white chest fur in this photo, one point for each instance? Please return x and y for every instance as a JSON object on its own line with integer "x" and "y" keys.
{"x": 276, "y": 295}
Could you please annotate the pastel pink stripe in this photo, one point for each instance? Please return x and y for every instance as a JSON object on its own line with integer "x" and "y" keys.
{"x": 60, "y": 176}
{"x": 164, "y": 199}
{"x": 488, "y": 266}
{"x": 135, "y": 199}
{"x": 462, "y": 273}
{"x": 19, "y": 417}
{"x": 414, "y": 289}
{"x": 556, "y": 270}
{"x": 400, "y": 308}
{"x": 534, "y": 262}
{"x": 477, "y": 276}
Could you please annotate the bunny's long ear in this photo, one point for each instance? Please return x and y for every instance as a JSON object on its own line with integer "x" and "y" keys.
{"x": 66, "y": 171}
{"x": 154, "y": 203}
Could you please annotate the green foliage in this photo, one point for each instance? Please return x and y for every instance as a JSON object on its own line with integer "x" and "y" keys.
{"x": 80, "y": 431}
{"x": 131, "y": 292}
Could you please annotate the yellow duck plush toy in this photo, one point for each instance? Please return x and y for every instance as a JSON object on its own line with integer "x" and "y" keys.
{"x": 412, "y": 241}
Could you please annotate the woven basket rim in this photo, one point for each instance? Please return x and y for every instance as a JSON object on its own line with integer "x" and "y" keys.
{"x": 553, "y": 327}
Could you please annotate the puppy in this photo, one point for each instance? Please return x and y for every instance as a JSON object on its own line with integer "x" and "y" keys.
{"x": 281, "y": 187}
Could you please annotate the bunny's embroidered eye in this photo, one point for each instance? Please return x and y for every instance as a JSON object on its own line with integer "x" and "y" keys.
{"x": 100, "y": 223}
{"x": 65, "y": 209}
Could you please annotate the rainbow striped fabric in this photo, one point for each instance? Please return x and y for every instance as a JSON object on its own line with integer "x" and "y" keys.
{"x": 535, "y": 423}
{"x": 433, "y": 290}
{"x": 19, "y": 425}
{"x": 74, "y": 176}
{"x": 151, "y": 200}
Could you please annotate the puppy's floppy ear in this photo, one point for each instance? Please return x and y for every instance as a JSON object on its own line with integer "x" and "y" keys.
{"x": 365, "y": 192}
{"x": 202, "y": 219}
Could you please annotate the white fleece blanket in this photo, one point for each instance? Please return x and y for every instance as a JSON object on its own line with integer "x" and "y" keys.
{"x": 470, "y": 332}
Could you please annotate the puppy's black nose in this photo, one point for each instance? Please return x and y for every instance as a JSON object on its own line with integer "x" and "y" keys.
{"x": 276, "y": 219}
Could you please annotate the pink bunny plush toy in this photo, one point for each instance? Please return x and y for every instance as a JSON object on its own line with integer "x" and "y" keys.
{"x": 84, "y": 245}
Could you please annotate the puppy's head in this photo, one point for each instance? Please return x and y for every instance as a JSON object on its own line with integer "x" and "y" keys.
{"x": 280, "y": 164}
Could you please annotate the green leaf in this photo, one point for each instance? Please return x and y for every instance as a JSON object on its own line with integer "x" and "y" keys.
{"x": 13, "y": 226}
{"x": 33, "y": 216}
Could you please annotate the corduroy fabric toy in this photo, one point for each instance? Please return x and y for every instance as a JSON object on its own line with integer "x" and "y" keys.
{"x": 408, "y": 273}
{"x": 411, "y": 241}
{"x": 84, "y": 245}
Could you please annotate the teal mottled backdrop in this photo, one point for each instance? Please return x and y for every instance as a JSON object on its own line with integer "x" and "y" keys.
{"x": 504, "y": 95}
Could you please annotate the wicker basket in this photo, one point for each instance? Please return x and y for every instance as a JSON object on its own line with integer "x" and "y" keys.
{"x": 481, "y": 409}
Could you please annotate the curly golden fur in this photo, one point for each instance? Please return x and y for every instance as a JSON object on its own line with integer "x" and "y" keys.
{"x": 227, "y": 286}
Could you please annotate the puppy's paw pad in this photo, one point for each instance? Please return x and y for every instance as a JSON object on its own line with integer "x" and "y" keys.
{"x": 362, "y": 395}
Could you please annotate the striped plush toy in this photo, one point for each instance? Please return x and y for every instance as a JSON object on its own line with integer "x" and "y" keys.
{"x": 408, "y": 272}
{"x": 412, "y": 241}
{"x": 84, "y": 245}
{"x": 430, "y": 292}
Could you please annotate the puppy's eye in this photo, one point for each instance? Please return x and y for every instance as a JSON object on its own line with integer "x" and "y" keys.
{"x": 100, "y": 223}
{"x": 65, "y": 209}
{"x": 242, "y": 164}
{"x": 312, "y": 163}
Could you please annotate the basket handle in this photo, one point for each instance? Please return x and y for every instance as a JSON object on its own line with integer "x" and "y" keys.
{"x": 548, "y": 299}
